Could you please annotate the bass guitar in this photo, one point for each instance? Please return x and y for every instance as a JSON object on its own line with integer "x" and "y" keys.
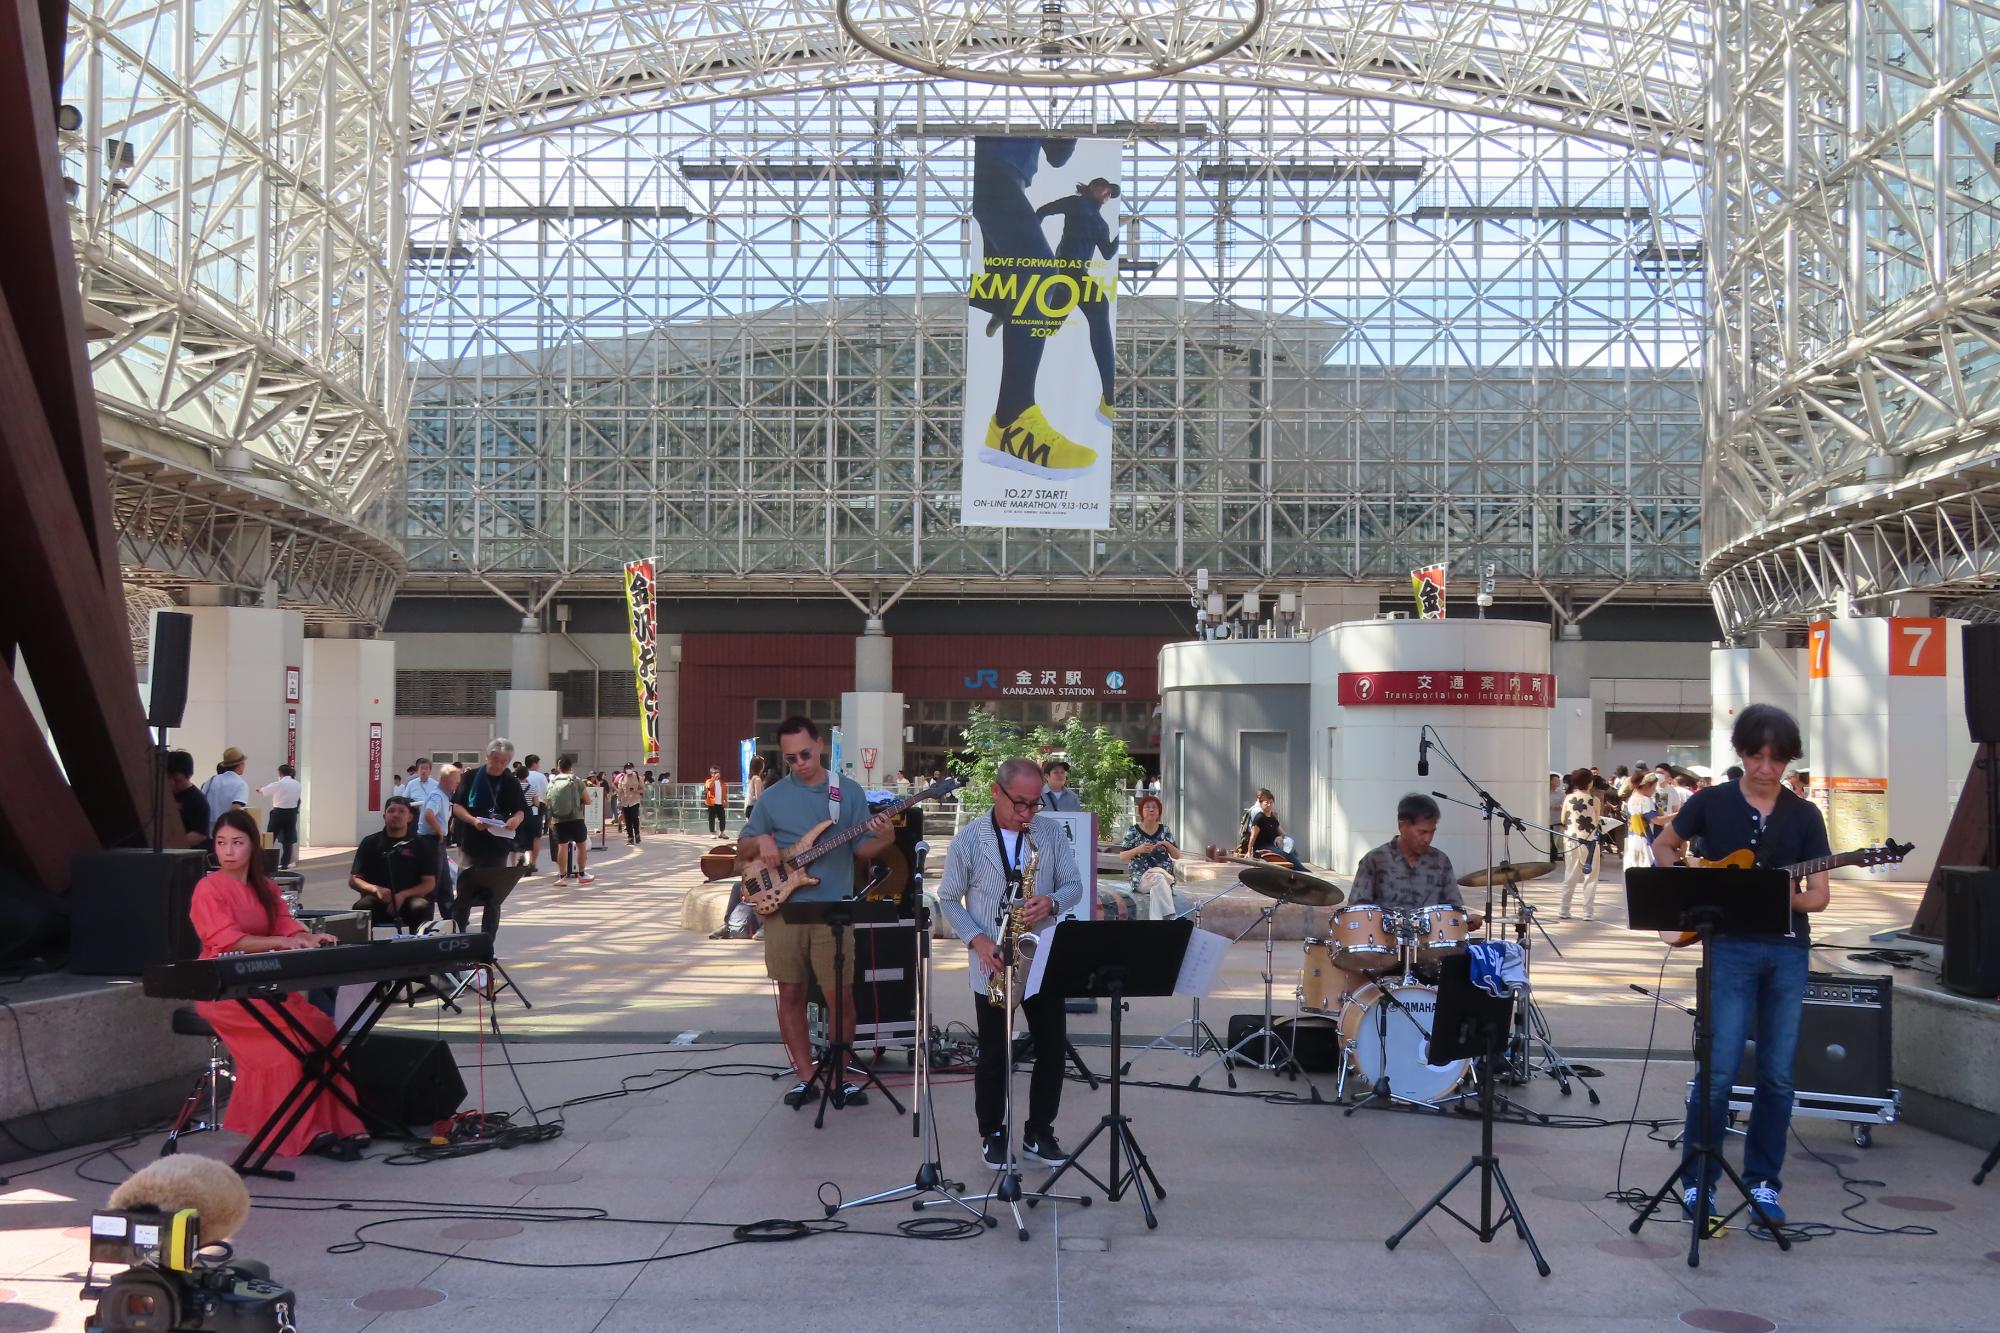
{"x": 1889, "y": 853}
{"x": 766, "y": 888}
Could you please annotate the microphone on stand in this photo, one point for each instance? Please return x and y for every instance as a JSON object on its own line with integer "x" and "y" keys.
{"x": 1423, "y": 756}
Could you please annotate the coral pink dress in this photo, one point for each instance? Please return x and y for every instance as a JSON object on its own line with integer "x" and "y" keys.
{"x": 225, "y": 909}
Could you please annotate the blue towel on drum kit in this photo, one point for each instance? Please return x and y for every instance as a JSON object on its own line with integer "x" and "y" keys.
{"x": 1496, "y": 966}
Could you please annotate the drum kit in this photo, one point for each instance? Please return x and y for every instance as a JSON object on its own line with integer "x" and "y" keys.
{"x": 1385, "y": 1025}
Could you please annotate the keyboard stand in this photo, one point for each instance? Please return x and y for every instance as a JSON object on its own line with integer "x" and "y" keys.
{"x": 321, "y": 1068}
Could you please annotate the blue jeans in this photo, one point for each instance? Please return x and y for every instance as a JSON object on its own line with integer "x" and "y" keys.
{"x": 1767, "y": 977}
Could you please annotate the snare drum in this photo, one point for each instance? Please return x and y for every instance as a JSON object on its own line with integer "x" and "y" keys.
{"x": 1440, "y": 932}
{"x": 1320, "y": 982}
{"x": 1364, "y": 938}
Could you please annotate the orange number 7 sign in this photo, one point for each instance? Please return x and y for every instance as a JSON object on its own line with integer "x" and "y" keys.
{"x": 1916, "y": 646}
{"x": 1816, "y": 637}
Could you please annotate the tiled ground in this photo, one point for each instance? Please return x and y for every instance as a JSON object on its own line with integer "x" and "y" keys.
{"x": 1275, "y": 1214}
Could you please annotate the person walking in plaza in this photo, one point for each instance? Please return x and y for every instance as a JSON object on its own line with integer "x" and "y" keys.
{"x": 1578, "y": 817}
{"x": 421, "y": 785}
{"x": 228, "y": 789}
{"x": 568, "y": 806}
{"x": 535, "y": 785}
{"x": 715, "y": 795}
{"x": 631, "y": 793}
{"x": 283, "y": 793}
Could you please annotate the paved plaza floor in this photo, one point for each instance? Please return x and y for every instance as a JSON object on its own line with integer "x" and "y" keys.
{"x": 1275, "y": 1213}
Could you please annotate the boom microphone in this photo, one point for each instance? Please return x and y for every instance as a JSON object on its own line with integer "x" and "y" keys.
{"x": 171, "y": 1184}
{"x": 1423, "y": 755}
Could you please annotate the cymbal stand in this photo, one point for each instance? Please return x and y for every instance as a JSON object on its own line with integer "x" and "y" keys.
{"x": 1200, "y": 1033}
{"x": 1274, "y": 1044}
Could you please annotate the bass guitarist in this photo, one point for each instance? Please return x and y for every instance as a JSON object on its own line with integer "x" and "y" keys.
{"x": 794, "y": 954}
{"x": 1753, "y": 975}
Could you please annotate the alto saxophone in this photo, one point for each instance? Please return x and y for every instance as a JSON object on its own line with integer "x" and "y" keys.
{"x": 1017, "y": 943}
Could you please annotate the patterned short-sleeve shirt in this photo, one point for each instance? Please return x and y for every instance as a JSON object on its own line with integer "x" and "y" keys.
{"x": 1386, "y": 878}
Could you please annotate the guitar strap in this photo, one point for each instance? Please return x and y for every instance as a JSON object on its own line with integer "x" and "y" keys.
{"x": 1781, "y": 812}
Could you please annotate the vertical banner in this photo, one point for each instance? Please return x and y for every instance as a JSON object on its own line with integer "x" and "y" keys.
{"x": 641, "y": 615}
{"x": 746, "y": 750}
{"x": 833, "y": 755}
{"x": 1040, "y": 352}
{"x": 374, "y": 766}
{"x": 1428, "y": 585}
{"x": 292, "y": 736}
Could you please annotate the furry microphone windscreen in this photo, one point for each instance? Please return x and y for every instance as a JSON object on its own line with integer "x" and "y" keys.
{"x": 201, "y": 1183}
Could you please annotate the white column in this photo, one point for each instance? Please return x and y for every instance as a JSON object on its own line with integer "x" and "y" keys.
{"x": 244, "y": 662}
{"x": 1886, "y": 738}
{"x": 347, "y": 739}
{"x": 1762, "y": 672}
{"x": 529, "y": 718}
{"x": 871, "y": 714}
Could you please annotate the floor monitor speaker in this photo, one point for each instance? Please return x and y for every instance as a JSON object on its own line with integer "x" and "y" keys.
{"x": 405, "y": 1080}
{"x": 1971, "y": 931}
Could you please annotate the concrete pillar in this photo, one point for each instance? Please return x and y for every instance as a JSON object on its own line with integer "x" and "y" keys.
{"x": 1763, "y": 671}
{"x": 530, "y": 657}
{"x": 530, "y": 719}
{"x": 347, "y": 739}
{"x": 1885, "y": 732}
{"x": 246, "y": 688}
{"x": 1573, "y": 722}
{"x": 871, "y": 714}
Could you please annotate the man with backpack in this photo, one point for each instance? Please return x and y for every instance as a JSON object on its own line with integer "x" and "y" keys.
{"x": 566, "y": 802}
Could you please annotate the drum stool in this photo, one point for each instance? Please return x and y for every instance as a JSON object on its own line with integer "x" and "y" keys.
{"x": 188, "y": 1023}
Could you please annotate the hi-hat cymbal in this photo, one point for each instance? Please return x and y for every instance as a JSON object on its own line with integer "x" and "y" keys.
{"x": 1291, "y": 886}
{"x": 1507, "y": 873}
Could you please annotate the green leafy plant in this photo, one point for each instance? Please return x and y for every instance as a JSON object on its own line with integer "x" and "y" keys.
{"x": 989, "y": 741}
{"x": 1100, "y": 769}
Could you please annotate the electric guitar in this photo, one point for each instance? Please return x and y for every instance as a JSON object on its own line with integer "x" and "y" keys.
{"x": 1889, "y": 853}
{"x": 766, "y": 888}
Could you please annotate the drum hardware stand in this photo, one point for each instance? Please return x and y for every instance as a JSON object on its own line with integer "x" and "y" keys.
{"x": 1485, "y": 1161}
{"x": 1202, "y": 1035}
{"x": 930, "y": 1178}
{"x": 1006, "y": 1185}
{"x": 1698, "y": 910}
{"x": 1531, "y": 1024}
{"x": 1273, "y": 1043}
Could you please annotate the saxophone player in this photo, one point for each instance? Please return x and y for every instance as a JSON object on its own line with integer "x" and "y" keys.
{"x": 982, "y": 872}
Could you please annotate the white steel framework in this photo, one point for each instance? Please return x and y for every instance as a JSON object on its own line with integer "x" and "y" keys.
{"x": 235, "y": 173}
{"x": 1854, "y": 351}
{"x": 1357, "y": 336}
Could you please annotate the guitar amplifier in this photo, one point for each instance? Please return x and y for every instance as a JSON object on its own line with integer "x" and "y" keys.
{"x": 1843, "y": 1038}
{"x": 885, "y": 983}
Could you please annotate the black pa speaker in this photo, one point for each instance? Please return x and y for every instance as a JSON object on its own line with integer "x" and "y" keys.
{"x": 33, "y": 922}
{"x": 1982, "y": 667}
{"x": 129, "y": 910}
{"x": 1844, "y": 1032}
{"x": 1971, "y": 926}
{"x": 173, "y": 638}
{"x": 405, "y": 1080}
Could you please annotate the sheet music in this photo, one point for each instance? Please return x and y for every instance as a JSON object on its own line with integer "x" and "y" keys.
{"x": 1203, "y": 960}
{"x": 1040, "y": 962}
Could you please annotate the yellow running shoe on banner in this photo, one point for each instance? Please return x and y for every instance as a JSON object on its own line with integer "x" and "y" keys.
{"x": 1030, "y": 444}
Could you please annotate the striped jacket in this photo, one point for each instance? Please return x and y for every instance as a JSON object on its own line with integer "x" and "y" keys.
{"x": 973, "y": 886}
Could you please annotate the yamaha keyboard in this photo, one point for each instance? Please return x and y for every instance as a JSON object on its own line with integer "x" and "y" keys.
{"x": 246, "y": 975}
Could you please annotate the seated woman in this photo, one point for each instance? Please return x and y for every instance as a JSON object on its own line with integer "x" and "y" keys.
{"x": 1267, "y": 835}
{"x": 237, "y": 910}
{"x": 1149, "y": 854}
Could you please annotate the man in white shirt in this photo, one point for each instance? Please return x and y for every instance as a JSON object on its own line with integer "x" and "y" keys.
{"x": 283, "y": 793}
{"x": 536, "y": 784}
{"x": 419, "y": 788}
{"x": 228, "y": 788}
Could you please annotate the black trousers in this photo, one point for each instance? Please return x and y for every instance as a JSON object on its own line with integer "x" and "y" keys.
{"x": 413, "y": 914}
{"x": 484, "y": 887}
{"x": 630, "y": 814}
{"x": 1046, "y": 1025}
{"x": 718, "y": 819}
{"x": 285, "y": 832}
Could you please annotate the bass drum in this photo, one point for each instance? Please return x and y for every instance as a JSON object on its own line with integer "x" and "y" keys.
{"x": 1380, "y": 1036}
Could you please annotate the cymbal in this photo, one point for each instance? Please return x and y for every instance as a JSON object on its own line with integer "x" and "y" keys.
{"x": 1291, "y": 886}
{"x": 1507, "y": 873}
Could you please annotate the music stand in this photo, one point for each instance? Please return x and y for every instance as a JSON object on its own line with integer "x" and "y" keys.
{"x": 1469, "y": 1023}
{"x": 1115, "y": 960}
{"x": 831, "y": 1069}
{"x": 484, "y": 887}
{"x": 1709, "y": 903}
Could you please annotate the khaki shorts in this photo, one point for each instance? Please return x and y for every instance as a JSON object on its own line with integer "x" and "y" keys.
{"x": 794, "y": 954}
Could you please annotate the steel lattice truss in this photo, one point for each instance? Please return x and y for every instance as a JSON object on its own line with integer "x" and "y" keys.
{"x": 1354, "y": 337}
{"x": 1855, "y": 234}
{"x": 236, "y": 192}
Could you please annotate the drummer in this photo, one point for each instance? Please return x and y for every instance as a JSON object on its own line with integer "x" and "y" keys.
{"x": 1406, "y": 872}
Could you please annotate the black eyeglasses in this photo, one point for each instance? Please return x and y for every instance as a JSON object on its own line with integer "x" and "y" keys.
{"x": 1020, "y": 804}
{"x": 799, "y": 757}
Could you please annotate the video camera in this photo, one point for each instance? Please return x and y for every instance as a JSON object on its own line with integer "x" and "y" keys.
{"x": 167, "y": 1288}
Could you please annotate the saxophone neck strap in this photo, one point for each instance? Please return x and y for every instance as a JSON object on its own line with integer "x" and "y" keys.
{"x": 1009, "y": 866}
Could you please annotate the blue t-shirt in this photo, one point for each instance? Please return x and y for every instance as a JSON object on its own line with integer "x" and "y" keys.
{"x": 1719, "y": 820}
{"x": 787, "y": 810}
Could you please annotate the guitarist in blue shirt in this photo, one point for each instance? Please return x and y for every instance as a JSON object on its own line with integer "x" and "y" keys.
{"x": 795, "y": 955}
{"x": 1761, "y": 975}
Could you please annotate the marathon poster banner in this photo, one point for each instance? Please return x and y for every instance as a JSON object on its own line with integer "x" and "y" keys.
{"x": 1040, "y": 323}
{"x": 1428, "y": 584}
{"x": 1498, "y": 689}
{"x": 641, "y": 614}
